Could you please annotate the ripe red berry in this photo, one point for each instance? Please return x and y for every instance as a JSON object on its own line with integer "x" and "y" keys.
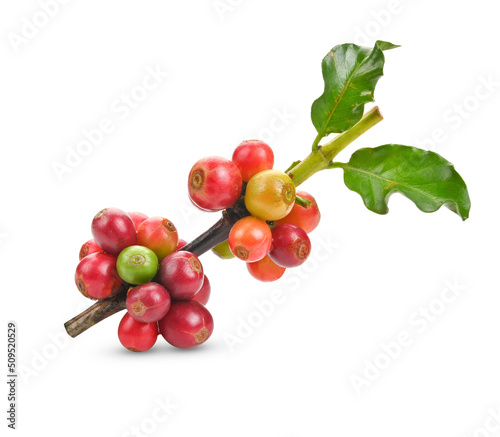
{"x": 291, "y": 245}
{"x": 187, "y": 324}
{"x": 265, "y": 270}
{"x": 203, "y": 294}
{"x": 306, "y": 218}
{"x": 137, "y": 218}
{"x": 137, "y": 336}
{"x": 148, "y": 303}
{"x": 158, "y": 234}
{"x": 250, "y": 239}
{"x": 88, "y": 248}
{"x": 252, "y": 157}
{"x": 181, "y": 243}
{"x": 214, "y": 183}
{"x": 96, "y": 276}
{"x": 181, "y": 273}
{"x": 270, "y": 195}
{"x": 113, "y": 230}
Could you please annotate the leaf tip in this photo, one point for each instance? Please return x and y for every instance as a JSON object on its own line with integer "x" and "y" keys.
{"x": 385, "y": 45}
{"x": 465, "y": 215}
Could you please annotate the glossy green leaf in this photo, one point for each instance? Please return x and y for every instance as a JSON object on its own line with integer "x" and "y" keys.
{"x": 350, "y": 73}
{"x": 424, "y": 177}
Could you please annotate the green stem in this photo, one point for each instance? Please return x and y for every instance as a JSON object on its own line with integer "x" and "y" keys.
{"x": 305, "y": 203}
{"x": 339, "y": 143}
{"x": 337, "y": 165}
{"x": 322, "y": 157}
{"x": 316, "y": 142}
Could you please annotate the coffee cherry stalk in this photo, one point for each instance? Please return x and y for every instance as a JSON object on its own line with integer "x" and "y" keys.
{"x": 139, "y": 264}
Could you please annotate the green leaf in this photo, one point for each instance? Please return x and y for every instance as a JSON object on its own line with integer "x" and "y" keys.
{"x": 350, "y": 73}
{"x": 424, "y": 177}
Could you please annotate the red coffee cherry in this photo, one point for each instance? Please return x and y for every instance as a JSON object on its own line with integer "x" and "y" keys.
{"x": 181, "y": 273}
{"x": 214, "y": 184}
{"x": 203, "y": 294}
{"x": 291, "y": 245}
{"x": 148, "y": 302}
{"x": 181, "y": 244}
{"x": 306, "y": 218}
{"x": 187, "y": 324}
{"x": 252, "y": 157}
{"x": 96, "y": 276}
{"x": 137, "y": 218}
{"x": 137, "y": 336}
{"x": 88, "y": 248}
{"x": 158, "y": 234}
{"x": 113, "y": 230}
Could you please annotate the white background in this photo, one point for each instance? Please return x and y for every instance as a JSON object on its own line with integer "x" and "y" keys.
{"x": 230, "y": 71}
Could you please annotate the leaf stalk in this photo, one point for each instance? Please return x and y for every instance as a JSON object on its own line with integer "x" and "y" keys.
{"x": 322, "y": 157}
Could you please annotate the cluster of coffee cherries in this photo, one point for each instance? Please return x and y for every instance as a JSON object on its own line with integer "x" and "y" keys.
{"x": 166, "y": 288}
{"x": 274, "y": 237}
